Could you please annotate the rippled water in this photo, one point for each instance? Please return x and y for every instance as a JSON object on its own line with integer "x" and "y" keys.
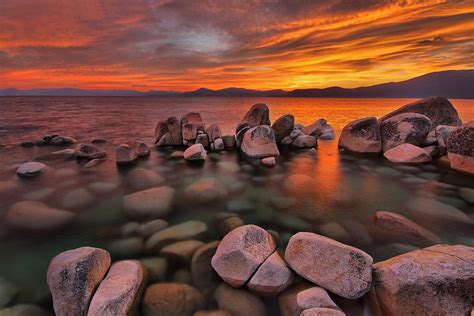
{"x": 332, "y": 193}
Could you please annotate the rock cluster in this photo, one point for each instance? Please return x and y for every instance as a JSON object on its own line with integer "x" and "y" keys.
{"x": 415, "y": 133}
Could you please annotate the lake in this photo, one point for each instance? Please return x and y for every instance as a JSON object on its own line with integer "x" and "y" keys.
{"x": 332, "y": 193}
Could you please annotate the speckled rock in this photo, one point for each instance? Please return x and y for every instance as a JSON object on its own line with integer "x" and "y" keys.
{"x": 140, "y": 148}
{"x": 407, "y": 153}
{"x": 37, "y": 216}
{"x": 442, "y": 133}
{"x": 84, "y": 151}
{"x": 241, "y": 252}
{"x": 150, "y": 203}
{"x": 195, "y": 152}
{"x": 259, "y": 142}
{"x": 361, "y": 136}
{"x": 272, "y": 277}
{"x": 73, "y": 276}
{"x": 302, "y": 297}
{"x": 119, "y": 293}
{"x": 171, "y": 299}
{"x": 239, "y": 302}
{"x": 437, "y": 280}
{"x": 283, "y": 126}
{"x": 460, "y": 146}
{"x": 339, "y": 268}
{"x": 408, "y": 128}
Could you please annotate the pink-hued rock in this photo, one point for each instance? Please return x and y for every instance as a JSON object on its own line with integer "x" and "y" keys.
{"x": 321, "y": 312}
{"x": 269, "y": 162}
{"x": 404, "y": 128}
{"x": 317, "y": 128}
{"x": 241, "y": 252}
{"x": 272, "y": 277}
{"x": 362, "y": 136}
{"x": 304, "y": 141}
{"x": 73, "y": 276}
{"x": 259, "y": 114}
{"x": 239, "y": 302}
{"x": 259, "y": 142}
{"x": 84, "y": 151}
{"x": 339, "y": 268}
{"x": 461, "y": 148}
{"x": 437, "y": 280}
{"x": 215, "y": 312}
{"x": 119, "y": 293}
{"x": 407, "y": 153}
{"x": 140, "y": 148}
{"x": 301, "y": 297}
{"x": 171, "y": 299}
{"x": 283, "y": 126}
{"x": 150, "y": 203}
{"x": 195, "y": 152}
{"x": 37, "y": 216}
{"x": 397, "y": 228}
{"x": 125, "y": 154}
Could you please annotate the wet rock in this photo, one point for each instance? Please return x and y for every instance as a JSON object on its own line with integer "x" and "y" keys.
{"x": 178, "y": 154}
{"x": 404, "y": 128}
{"x": 126, "y": 247}
{"x": 241, "y": 252}
{"x": 259, "y": 142}
{"x": 24, "y": 310}
{"x": 203, "y": 275}
{"x": 165, "y": 141}
{"x": 59, "y": 155}
{"x": 229, "y": 141}
{"x": 432, "y": 281}
{"x": 140, "y": 178}
{"x": 149, "y": 228}
{"x": 62, "y": 141}
{"x": 218, "y": 144}
{"x": 181, "y": 251}
{"x": 286, "y": 141}
{"x": 339, "y": 268}
{"x": 228, "y": 224}
{"x": 98, "y": 141}
{"x": 103, "y": 187}
{"x": 156, "y": 268}
{"x": 189, "y": 131}
{"x": 316, "y": 129}
{"x": 174, "y": 128}
{"x": 283, "y": 126}
{"x": 304, "y": 141}
{"x": 195, "y": 152}
{"x": 439, "y": 110}
{"x": 460, "y": 146}
{"x": 269, "y": 162}
{"x": 73, "y": 276}
{"x": 362, "y": 136}
{"x": 129, "y": 229}
{"x": 407, "y": 153}
{"x": 328, "y": 133}
{"x": 27, "y": 144}
{"x": 272, "y": 277}
{"x": 161, "y": 130}
{"x": 30, "y": 169}
{"x": 435, "y": 213}
{"x": 182, "y": 276}
{"x": 140, "y": 148}
{"x": 171, "y": 299}
{"x": 37, "y": 216}
{"x": 242, "y": 128}
{"x": 467, "y": 194}
{"x": 150, "y": 203}
{"x": 442, "y": 133}
{"x": 335, "y": 231}
{"x": 119, "y": 293}
{"x": 259, "y": 114}
{"x": 8, "y": 292}
{"x": 94, "y": 162}
{"x": 432, "y": 151}
{"x": 321, "y": 312}
{"x": 205, "y": 190}
{"x": 184, "y": 231}
{"x": 125, "y": 155}
{"x": 213, "y": 132}
{"x": 193, "y": 118}
{"x": 301, "y": 297}
{"x": 215, "y": 312}
{"x": 239, "y": 302}
{"x": 84, "y": 151}
{"x": 203, "y": 140}
{"x": 393, "y": 227}
{"x": 77, "y": 198}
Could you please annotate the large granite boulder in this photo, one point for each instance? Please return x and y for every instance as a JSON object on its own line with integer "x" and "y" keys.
{"x": 339, "y": 268}
{"x": 259, "y": 142}
{"x": 171, "y": 299}
{"x": 403, "y": 128}
{"x": 120, "y": 291}
{"x": 283, "y": 126}
{"x": 241, "y": 252}
{"x": 149, "y": 203}
{"x": 437, "y": 280}
{"x": 193, "y": 118}
{"x": 407, "y": 153}
{"x": 302, "y": 297}
{"x": 195, "y": 152}
{"x": 84, "y": 151}
{"x": 461, "y": 148}
{"x": 239, "y": 302}
{"x": 37, "y": 216}
{"x": 362, "y": 136}
{"x": 439, "y": 110}
{"x": 259, "y": 114}
{"x": 272, "y": 277}
{"x": 73, "y": 276}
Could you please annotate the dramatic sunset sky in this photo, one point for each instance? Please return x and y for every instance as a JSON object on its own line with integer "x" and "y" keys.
{"x": 183, "y": 45}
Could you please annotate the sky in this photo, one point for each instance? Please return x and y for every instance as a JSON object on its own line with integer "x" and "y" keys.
{"x": 183, "y": 45}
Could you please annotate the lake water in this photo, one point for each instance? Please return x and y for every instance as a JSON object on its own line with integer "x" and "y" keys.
{"x": 333, "y": 193}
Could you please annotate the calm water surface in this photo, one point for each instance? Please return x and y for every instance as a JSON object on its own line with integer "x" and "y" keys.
{"x": 333, "y": 194}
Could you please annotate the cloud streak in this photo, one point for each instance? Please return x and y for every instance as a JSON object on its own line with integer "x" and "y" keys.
{"x": 183, "y": 45}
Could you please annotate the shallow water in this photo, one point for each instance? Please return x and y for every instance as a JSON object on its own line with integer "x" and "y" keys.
{"x": 332, "y": 193}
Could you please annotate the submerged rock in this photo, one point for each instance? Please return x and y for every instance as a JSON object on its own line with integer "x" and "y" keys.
{"x": 59, "y": 155}
{"x": 460, "y": 146}
{"x": 437, "y": 280}
{"x": 362, "y": 136}
{"x": 147, "y": 229}
{"x": 283, "y": 126}
{"x": 125, "y": 155}
{"x": 140, "y": 178}
{"x": 150, "y": 203}
{"x": 435, "y": 213}
{"x": 77, "y": 198}
{"x": 184, "y": 231}
{"x": 8, "y": 292}
{"x": 205, "y": 190}
{"x": 404, "y": 128}
{"x": 241, "y": 252}
{"x": 203, "y": 275}
{"x": 119, "y": 292}
{"x": 24, "y": 310}
{"x": 239, "y": 302}
{"x": 31, "y": 169}
{"x": 84, "y": 151}
{"x": 407, "y": 153}
{"x": 259, "y": 142}
{"x": 73, "y": 276}
{"x": 182, "y": 250}
{"x": 156, "y": 268}
{"x": 339, "y": 268}
{"x": 171, "y": 299}
{"x": 126, "y": 247}
{"x": 302, "y": 297}
{"x": 272, "y": 277}
{"x": 37, "y": 216}
{"x": 195, "y": 152}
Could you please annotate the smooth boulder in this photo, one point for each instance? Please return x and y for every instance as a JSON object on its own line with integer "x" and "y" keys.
{"x": 259, "y": 114}
{"x": 259, "y": 142}
{"x": 184, "y": 231}
{"x": 239, "y": 302}
{"x": 73, "y": 276}
{"x": 407, "y": 153}
{"x": 272, "y": 277}
{"x": 150, "y": 203}
{"x": 301, "y": 297}
{"x": 304, "y": 141}
{"x": 362, "y": 136}
{"x": 125, "y": 155}
{"x": 283, "y": 126}
{"x": 339, "y": 268}
{"x": 460, "y": 146}
{"x": 195, "y": 152}
{"x": 316, "y": 128}
{"x": 404, "y": 128}
{"x": 241, "y": 252}
{"x": 30, "y": 169}
{"x": 437, "y": 280}
{"x": 37, "y": 216}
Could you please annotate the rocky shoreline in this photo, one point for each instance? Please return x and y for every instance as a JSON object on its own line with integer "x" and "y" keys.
{"x": 249, "y": 266}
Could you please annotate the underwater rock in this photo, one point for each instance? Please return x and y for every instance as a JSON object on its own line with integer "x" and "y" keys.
{"x": 84, "y": 151}
{"x": 203, "y": 275}
{"x": 239, "y": 302}
{"x": 37, "y": 216}
{"x": 184, "y": 231}
{"x": 140, "y": 179}
{"x": 181, "y": 251}
{"x": 407, "y": 153}
{"x": 125, "y": 155}
{"x": 149, "y": 203}
{"x": 148, "y": 228}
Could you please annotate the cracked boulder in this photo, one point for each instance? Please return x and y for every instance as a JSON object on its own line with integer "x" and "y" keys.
{"x": 304, "y": 297}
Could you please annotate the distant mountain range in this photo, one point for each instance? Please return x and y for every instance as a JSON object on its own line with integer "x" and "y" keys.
{"x": 456, "y": 84}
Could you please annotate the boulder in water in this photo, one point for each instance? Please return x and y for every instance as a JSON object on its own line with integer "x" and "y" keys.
{"x": 362, "y": 136}
{"x": 125, "y": 155}
{"x": 84, "y": 151}
{"x": 30, "y": 169}
{"x": 407, "y": 153}
{"x": 317, "y": 128}
{"x": 184, "y": 231}
{"x": 283, "y": 126}
{"x": 195, "y": 152}
{"x": 460, "y": 146}
{"x": 140, "y": 148}
{"x": 259, "y": 142}
{"x": 304, "y": 141}
{"x": 259, "y": 114}
{"x": 403, "y": 128}
{"x": 37, "y": 216}
{"x": 149, "y": 203}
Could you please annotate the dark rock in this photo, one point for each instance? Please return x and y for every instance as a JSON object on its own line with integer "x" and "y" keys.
{"x": 259, "y": 114}
{"x": 283, "y": 126}
{"x": 27, "y": 144}
{"x": 213, "y": 131}
{"x": 98, "y": 141}
{"x": 140, "y": 148}
{"x": 229, "y": 141}
{"x": 84, "y": 151}
{"x": 203, "y": 275}
{"x": 125, "y": 155}
{"x": 304, "y": 141}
